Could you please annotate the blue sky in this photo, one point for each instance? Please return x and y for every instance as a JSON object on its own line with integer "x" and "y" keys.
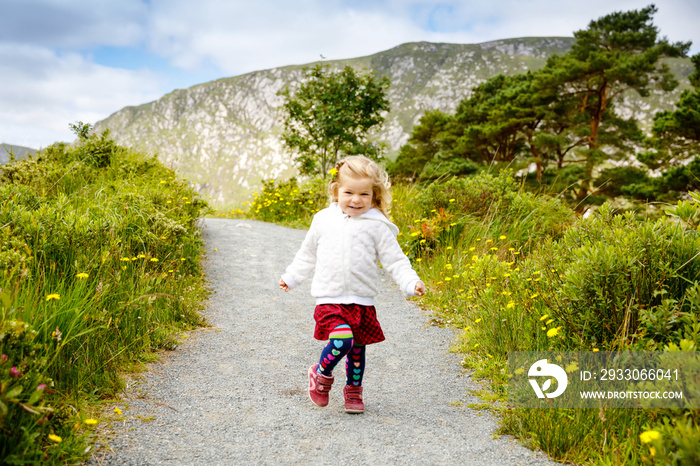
{"x": 63, "y": 61}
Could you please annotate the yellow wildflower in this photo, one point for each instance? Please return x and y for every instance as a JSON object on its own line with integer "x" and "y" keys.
{"x": 648, "y": 436}
{"x": 502, "y": 237}
{"x": 82, "y": 275}
{"x": 544, "y": 316}
{"x": 91, "y": 422}
{"x": 571, "y": 367}
{"x": 55, "y": 438}
{"x": 53, "y": 296}
{"x": 552, "y": 332}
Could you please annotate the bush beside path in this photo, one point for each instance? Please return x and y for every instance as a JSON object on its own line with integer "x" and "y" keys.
{"x": 235, "y": 393}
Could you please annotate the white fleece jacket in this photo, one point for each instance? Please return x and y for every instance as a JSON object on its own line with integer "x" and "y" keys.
{"x": 344, "y": 251}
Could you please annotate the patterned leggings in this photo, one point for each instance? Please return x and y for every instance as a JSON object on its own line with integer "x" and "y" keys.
{"x": 341, "y": 344}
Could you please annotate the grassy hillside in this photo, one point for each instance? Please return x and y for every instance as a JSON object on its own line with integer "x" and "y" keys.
{"x": 100, "y": 257}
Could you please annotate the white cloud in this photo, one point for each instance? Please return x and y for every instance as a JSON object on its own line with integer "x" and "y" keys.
{"x": 46, "y": 91}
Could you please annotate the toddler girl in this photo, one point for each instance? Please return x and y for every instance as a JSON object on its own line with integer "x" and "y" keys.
{"x": 343, "y": 245}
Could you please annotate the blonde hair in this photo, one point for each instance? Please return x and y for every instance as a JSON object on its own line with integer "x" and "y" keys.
{"x": 359, "y": 166}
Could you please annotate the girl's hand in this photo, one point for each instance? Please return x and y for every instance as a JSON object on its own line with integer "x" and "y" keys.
{"x": 419, "y": 289}
{"x": 283, "y": 286}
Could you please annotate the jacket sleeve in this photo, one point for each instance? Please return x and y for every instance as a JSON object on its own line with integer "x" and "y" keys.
{"x": 305, "y": 259}
{"x": 396, "y": 263}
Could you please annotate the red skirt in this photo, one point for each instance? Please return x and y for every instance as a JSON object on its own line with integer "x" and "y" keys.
{"x": 361, "y": 319}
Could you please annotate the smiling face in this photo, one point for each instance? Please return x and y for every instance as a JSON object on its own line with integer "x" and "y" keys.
{"x": 355, "y": 195}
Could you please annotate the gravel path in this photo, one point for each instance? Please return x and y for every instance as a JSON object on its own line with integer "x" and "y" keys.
{"x": 235, "y": 393}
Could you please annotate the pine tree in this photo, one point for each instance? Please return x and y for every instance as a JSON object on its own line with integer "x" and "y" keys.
{"x": 617, "y": 53}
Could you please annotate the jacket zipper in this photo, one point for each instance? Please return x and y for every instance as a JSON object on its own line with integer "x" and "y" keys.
{"x": 345, "y": 256}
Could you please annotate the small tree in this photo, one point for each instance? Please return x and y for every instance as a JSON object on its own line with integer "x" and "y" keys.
{"x": 331, "y": 115}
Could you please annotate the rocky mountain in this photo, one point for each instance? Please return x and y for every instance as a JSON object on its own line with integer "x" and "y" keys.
{"x": 224, "y": 135}
{"x": 19, "y": 151}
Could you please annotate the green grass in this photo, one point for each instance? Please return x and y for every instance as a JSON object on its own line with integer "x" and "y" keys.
{"x": 100, "y": 255}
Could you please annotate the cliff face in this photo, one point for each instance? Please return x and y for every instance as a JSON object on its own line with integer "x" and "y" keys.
{"x": 224, "y": 135}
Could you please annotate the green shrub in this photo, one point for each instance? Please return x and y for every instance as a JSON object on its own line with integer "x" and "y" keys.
{"x": 288, "y": 202}
{"x": 484, "y": 204}
{"x": 100, "y": 254}
{"x": 548, "y": 282}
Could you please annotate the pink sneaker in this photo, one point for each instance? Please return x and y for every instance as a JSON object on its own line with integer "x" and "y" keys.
{"x": 353, "y": 399}
{"x": 319, "y": 386}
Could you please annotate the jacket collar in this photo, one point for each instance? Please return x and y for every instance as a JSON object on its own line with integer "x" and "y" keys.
{"x": 372, "y": 214}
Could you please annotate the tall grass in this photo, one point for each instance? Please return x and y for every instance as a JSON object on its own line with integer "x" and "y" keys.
{"x": 100, "y": 256}
{"x": 518, "y": 272}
